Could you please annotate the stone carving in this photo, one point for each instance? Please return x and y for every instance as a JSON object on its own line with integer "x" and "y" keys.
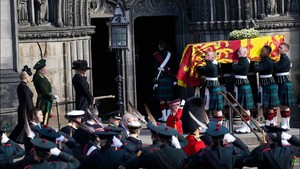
{"x": 292, "y": 7}
{"x": 248, "y": 9}
{"x": 271, "y": 7}
{"x": 41, "y": 11}
{"x": 22, "y": 12}
{"x": 205, "y": 10}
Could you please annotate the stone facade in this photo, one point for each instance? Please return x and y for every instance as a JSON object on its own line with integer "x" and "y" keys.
{"x": 63, "y": 28}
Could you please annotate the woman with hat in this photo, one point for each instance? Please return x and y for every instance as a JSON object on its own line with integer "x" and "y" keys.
{"x": 43, "y": 89}
{"x": 25, "y": 105}
{"x": 224, "y": 152}
{"x": 83, "y": 96}
{"x": 174, "y": 119}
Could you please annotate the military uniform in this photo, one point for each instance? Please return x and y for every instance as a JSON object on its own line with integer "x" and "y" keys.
{"x": 274, "y": 155}
{"x": 65, "y": 160}
{"x": 9, "y": 151}
{"x": 244, "y": 92}
{"x": 107, "y": 157}
{"x": 210, "y": 70}
{"x": 218, "y": 155}
{"x": 285, "y": 87}
{"x": 43, "y": 89}
{"x": 164, "y": 156}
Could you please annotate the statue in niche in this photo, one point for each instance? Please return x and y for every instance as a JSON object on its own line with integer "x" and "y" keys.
{"x": 41, "y": 11}
{"x": 292, "y": 6}
{"x": 22, "y": 12}
{"x": 271, "y": 7}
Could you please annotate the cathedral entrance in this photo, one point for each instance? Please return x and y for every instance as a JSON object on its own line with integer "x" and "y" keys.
{"x": 147, "y": 32}
{"x": 104, "y": 67}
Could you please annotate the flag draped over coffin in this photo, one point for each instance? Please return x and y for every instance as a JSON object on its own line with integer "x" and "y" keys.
{"x": 226, "y": 52}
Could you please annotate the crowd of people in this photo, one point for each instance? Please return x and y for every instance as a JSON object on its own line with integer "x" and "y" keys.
{"x": 190, "y": 138}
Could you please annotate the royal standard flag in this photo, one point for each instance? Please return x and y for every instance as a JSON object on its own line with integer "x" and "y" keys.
{"x": 226, "y": 52}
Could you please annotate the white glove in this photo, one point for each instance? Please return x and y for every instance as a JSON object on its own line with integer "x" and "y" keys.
{"x": 182, "y": 103}
{"x": 229, "y": 138}
{"x": 174, "y": 83}
{"x": 56, "y": 97}
{"x": 160, "y": 68}
{"x": 202, "y": 129}
{"x": 55, "y": 151}
{"x": 60, "y": 139}
{"x": 31, "y": 135}
{"x": 285, "y": 136}
{"x": 4, "y": 139}
{"x": 155, "y": 86}
{"x": 285, "y": 142}
{"x": 116, "y": 142}
{"x": 175, "y": 142}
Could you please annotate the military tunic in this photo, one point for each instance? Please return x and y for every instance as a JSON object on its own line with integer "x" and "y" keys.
{"x": 270, "y": 88}
{"x": 105, "y": 158}
{"x": 272, "y": 157}
{"x": 210, "y": 70}
{"x": 66, "y": 161}
{"x": 240, "y": 69}
{"x": 282, "y": 77}
{"x": 10, "y": 151}
{"x": 159, "y": 158}
{"x": 174, "y": 121}
{"x": 194, "y": 145}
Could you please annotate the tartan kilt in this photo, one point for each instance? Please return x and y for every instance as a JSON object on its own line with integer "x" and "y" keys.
{"x": 245, "y": 97}
{"x": 285, "y": 92}
{"x": 216, "y": 100}
{"x": 164, "y": 90}
{"x": 270, "y": 96}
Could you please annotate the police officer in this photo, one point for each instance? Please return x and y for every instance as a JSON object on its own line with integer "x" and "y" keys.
{"x": 43, "y": 89}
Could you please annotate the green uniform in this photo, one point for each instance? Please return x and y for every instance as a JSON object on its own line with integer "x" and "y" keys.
{"x": 44, "y": 91}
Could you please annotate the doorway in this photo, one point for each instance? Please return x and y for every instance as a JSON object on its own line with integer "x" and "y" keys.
{"x": 147, "y": 32}
{"x": 104, "y": 67}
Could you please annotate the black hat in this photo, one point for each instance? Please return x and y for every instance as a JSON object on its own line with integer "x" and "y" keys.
{"x": 162, "y": 130}
{"x": 42, "y": 144}
{"x": 115, "y": 114}
{"x": 84, "y": 65}
{"x": 48, "y": 133}
{"x": 40, "y": 64}
{"x": 195, "y": 105}
{"x": 76, "y": 64}
{"x": 27, "y": 70}
{"x": 216, "y": 130}
{"x": 106, "y": 134}
{"x": 114, "y": 129}
{"x": 273, "y": 129}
